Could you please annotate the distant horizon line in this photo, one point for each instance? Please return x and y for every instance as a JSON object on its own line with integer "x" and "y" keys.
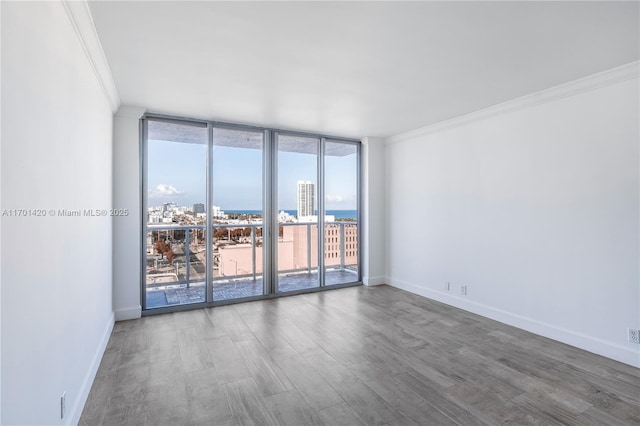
{"x": 243, "y": 210}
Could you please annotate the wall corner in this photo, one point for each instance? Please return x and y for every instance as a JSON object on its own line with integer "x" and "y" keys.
{"x": 126, "y": 229}
{"x": 373, "y": 215}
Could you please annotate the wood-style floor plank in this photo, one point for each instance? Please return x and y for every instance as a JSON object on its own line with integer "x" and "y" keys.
{"x": 290, "y": 408}
{"x": 353, "y": 356}
{"x": 247, "y": 405}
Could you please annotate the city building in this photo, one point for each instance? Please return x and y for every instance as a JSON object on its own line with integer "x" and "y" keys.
{"x": 314, "y": 218}
{"x": 198, "y": 208}
{"x": 499, "y": 194}
{"x": 285, "y": 217}
{"x": 218, "y": 213}
{"x": 297, "y": 251}
{"x": 306, "y": 198}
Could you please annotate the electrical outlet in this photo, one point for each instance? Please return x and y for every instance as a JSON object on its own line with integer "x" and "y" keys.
{"x": 463, "y": 290}
{"x": 63, "y": 404}
{"x": 448, "y": 286}
{"x": 634, "y": 335}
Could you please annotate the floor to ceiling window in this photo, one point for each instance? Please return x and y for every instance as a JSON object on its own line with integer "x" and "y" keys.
{"x": 176, "y": 188}
{"x": 238, "y": 212}
{"x": 297, "y": 180}
{"x": 340, "y": 212}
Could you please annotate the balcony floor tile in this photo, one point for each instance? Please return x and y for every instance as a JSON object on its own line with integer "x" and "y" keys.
{"x": 229, "y": 289}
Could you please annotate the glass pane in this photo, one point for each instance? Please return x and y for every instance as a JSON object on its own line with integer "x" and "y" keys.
{"x": 297, "y": 213}
{"x": 237, "y": 213}
{"x": 341, "y": 213}
{"x": 176, "y": 190}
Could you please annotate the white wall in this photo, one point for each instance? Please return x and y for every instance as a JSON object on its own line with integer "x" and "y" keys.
{"x": 56, "y": 271}
{"x": 534, "y": 209}
{"x": 373, "y": 245}
{"x": 126, "y": 231}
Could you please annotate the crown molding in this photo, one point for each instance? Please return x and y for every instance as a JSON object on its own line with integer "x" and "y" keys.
{"x": 130, "y": 111}
{"x": 82, "y": 22}
{"x": 575, "y": 87}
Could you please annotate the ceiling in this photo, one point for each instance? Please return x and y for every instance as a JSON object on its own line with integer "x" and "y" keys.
{"x": 354, "y": 69}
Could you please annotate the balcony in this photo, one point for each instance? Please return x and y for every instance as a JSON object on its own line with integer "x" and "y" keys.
{"x": 175, "y": 278}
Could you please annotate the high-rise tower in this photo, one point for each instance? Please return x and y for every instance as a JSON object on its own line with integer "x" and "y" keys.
{"x": 306, "y": 194}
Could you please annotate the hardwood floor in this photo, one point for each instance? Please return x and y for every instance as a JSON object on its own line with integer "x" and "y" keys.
{"x": 354, "y": 356}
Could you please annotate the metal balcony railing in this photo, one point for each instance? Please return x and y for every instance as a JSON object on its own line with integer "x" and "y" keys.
{"x": 184, "y": 276}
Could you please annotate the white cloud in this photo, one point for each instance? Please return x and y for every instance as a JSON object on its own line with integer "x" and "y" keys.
{"x": 338, "y": 198}
{"x": 164, "y": 190}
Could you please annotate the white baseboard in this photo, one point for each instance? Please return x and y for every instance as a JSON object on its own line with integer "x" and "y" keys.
{"x": 124, "y": 314}
{"x": 76, "y": 410}
{"x": 371, "y": 281}
{"x": 579, "y": 340}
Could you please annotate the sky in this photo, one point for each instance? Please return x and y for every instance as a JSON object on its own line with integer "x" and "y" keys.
{"x": 177, "y": 173}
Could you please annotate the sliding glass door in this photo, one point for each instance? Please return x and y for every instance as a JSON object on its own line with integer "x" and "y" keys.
{"x": 340, "y": 212}
{"x": 297, "y": 247}
{"x": 175, "y": 238}
{"x": 237, "y": 212}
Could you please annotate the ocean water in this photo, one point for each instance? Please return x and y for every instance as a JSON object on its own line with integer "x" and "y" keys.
{"x": 339, "y": 214}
